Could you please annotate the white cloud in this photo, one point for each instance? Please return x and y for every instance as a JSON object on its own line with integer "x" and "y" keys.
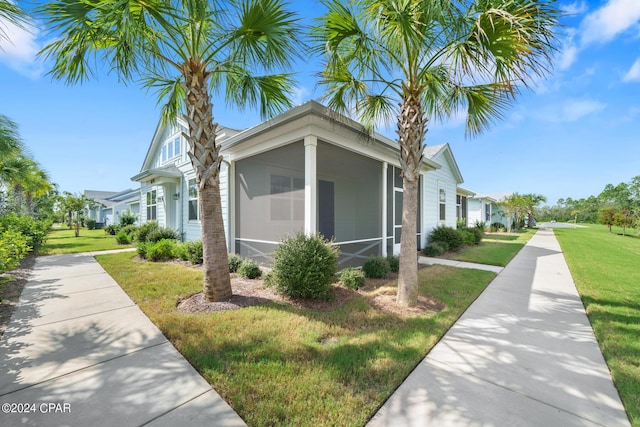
{"x": 633, "y": 75}
{"x": 574, "y": 8}
{"x": 19, "y": 49}
{"x": 567, "y": 56}
{"x": 572, "y": 110}
{"x": 300, "y": 95}
{"x": 606, "y": 23}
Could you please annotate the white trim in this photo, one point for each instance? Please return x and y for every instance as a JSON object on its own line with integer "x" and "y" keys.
{"x": 231, "y": 200}
{"x": 310, "y": 184}
{"x": 385, "y": 168}
{"x": 256, "y": 241}
{"x": 357, "y": 241}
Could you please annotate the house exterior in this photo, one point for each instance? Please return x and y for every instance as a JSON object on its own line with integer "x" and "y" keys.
{"x": 462, "y": 205}
{"x": 112, "y": 204}
{"x": 306, "y": 170}
{"x": 484, "y": 208}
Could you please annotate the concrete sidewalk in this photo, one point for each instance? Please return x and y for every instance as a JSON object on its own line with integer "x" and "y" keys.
{"x": 78, "y": 342}
{"x": 523, "y": 354}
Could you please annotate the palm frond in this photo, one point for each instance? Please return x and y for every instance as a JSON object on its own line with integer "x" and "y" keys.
{"x": 269, "y": 93}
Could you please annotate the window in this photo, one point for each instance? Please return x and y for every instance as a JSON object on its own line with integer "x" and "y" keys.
{"x": 287, "y": 199}
{"x": 163, "y": 157}
{"x": 459, "y": 206}
{"x": 487, "y": 213}
{"x": 151, "y": 205}
{"x": 170, "y": 150}
{"x": 443, "y": 204}
{"x": 193, "y": 200}
{"x": 176, "y": 147}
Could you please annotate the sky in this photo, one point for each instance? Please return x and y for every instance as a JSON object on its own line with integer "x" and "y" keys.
{"x": 568, "y": 135}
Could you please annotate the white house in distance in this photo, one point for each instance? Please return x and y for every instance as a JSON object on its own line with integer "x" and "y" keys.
{"x": 484, "y": 208}
{"x": 113, "y": 204}
{"x": 307, "y": 169}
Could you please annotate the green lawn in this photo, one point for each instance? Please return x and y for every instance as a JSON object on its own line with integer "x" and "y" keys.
{"x": 606, "y": 270}
{"x": 278, "y": 364}
{"x": 63, "y": 241}
{"x": 496, "y": 248}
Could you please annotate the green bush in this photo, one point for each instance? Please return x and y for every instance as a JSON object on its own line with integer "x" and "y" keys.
{"x": 394, "y": 263}
{"x": 142, "y": 248}
{"x": 13, "y": 248}
{"x": 497, "y": 226}
{"x": 34, "y": 231}
{"x": 480, "y": 225}
{"x": 122, "y": 238}
{"x": 249, "y": 269}
{"x": 468, "y": 237}
{"x": 433, "y": 249}
{"x": 145, "y": 229}
{"x": 162, "y": 233}
{"x": 304, "y": 266}
{"x": 193, "y": 252}
{"x": 234, "y": 262}
{"x": 162, "y": 250}
{"x": 127, "y": 218}
{"x": 112, "y": 229}
{"x": 376, "y": 267}
{"x": 131, "y": 230}
{"x": 90, "y": 223}
{"x": 268, "y": 280}
{"x": 478, "y": 234}
{"x": 352, "y": 278}
{"x": 448, "y": 235}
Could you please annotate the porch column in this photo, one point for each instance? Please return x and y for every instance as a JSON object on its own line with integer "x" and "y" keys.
{"x": 385, "y": 168}
{"x": 310, "y": 184}
{"x": 231, "y": 209}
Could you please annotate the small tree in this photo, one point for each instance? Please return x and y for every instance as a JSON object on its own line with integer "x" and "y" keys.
{"x": 624, "y": 218}
{"x": 607, "y": 217}
{"x": 74, "y": 206}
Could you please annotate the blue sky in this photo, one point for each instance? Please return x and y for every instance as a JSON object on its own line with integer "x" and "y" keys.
{"x": 568, "y": 136}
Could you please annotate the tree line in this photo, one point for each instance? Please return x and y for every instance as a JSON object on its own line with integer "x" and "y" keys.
{"x": 617, "y": 205}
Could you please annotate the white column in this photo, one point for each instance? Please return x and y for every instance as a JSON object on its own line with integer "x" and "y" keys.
{"x": 310, "y": 184}
{"x": 385, "y": 168}
{"x": 231, "y": 208}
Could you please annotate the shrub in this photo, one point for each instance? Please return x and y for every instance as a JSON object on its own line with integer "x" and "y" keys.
{"x": 468, "y": 237}
{"x": 112, "y": 229}
{"x": 34, "y": 231}
{"x": 127, "y": 218}
{"x": 131, "y": 230}
{"x": 497, "y": 226}
{"x": 461, "y": 223}
{"x": 394, "y": 263}
{"x": 480, "y": 225}
{"x": 90, "y": 223}
{"x": 193, "y": 252}
{"x": 433, "y": 249}
{"x": 162, "y": 250}
{"x": 122, "y": 238}
{"x": 145, "y": 229}
{"x": 304, "y": 266}
{"x": 478, "y": 234}
{"x": 448, "y": 235}
{"x": 234, "y": 262}
{"x": 142, "y": 248}
{"x": 376, "y": 267}
{"x": 13, "y": 247}
{"x": 249, "y": 268}
{"x": 268, "y": 280}
{"x": 162, "y": 233}
{"x": 352, "y": 278}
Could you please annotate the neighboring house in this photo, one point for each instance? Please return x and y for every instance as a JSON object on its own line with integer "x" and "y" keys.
{"x": 111, "y": 204}
{"x": 484, "y": 208}
{"x": 462, "y": 205}
{"x": 306, "y": 170}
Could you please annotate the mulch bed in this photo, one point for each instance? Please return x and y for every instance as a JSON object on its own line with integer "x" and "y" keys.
{"x": 10, "y": 290}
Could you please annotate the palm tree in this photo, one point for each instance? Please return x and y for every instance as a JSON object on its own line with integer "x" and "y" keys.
{"x": 432, "y": 58}
{"x": 10, "y": 142}
{"x": 185, "y": 50}
{"x": 532, "y": 201}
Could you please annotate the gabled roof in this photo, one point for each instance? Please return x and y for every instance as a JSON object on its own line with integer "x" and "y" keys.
{"x": 165, "y": 173}
{"x": 112, "y": 198}
{"x": 432, "y": 151}
{"x": 464, "y": 192}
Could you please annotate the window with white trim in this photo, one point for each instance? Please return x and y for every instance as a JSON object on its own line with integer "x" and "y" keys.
{"x": 487, "y": 212}
{"x": 442, "y": 198}
{"x": 193, "y": 200}
{"x": 151, "y": 205}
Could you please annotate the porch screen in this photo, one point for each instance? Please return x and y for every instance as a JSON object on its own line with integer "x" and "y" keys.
{"x": 350, "y": 201}
{"x": 269, "y": 200}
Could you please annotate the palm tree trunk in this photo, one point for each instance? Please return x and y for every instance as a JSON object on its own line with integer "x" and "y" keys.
{"x": 411, "y": 130}
{"x": 206, "y": 159}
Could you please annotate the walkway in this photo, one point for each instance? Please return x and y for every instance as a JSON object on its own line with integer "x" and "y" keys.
{"x": 523, "y": 354}
{"x": 78, "y": 342}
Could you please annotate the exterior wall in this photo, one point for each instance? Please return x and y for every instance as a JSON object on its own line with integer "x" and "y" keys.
{"x": 442, "y": 178}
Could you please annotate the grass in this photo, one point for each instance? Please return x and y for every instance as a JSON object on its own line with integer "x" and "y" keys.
{"x": 604, "y": 267}
{"x": 495, "y": 248}
{"x": 277, "y": 364}
{"x": 63, "y": 241}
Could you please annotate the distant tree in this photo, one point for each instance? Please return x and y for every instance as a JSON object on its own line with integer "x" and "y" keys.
{"x": 607, "y": 217}
{"x": 531, "y": 201}
{"x": 624, "y": 218}
{"x": 75, "y": 207}
{"x": 514, "y": 207}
